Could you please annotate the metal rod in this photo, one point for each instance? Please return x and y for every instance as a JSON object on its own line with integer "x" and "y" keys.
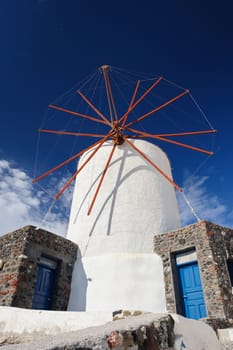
{"x": 50, "y": 171}
{"x": 180, "y": 133}
{"x": 110, "y": 92}
{"x": 70, "y": 133}
{"x": 144, "y": 134}
{"x": 190, "y": 133}
{"x": 101, "y": 180}
{"x": 185, "y": 145}
{"x": 61, "y": 109}
{"x": 93, "y": 107}
{"x": 131, "y": 103}
{"x": 158, "y": 108}
{"x": 154, "y": 165}
{"x": 105, "y": 73}
{"x": 142, "y": 97}
{"x": 82, "y": 166}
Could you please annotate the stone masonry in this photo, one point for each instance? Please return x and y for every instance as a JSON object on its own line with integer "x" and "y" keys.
{"x": 20, "y": 253}
{"x": 142, "y": 332}
{"x": 214, "y": 248}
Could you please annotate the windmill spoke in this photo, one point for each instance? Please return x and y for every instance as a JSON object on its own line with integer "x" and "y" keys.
{"x": 93, "y": 107}
{"x": 190, "y": 133}
{"x": 111, "y": 103}
{"x": 104, "y": 69}
{"x": 101, "y": 179}
{"x": 180, "y": 133}
{"x": 100, "y": 143}
{"x": 131, "y": 103}
{"x": 134, "y": 94}
{"x": 142, "y": 97}
{"x": 158, "y": 108}
{"x": 212, "y": 131}
{"x": 111, "y": 96}
{"x": 50, "y": 171}
{"x": 154, "y": 165}
{"x": 119, "y": 128}
{"x": 184, "y": 145}
{"x": 70, "y": 133}
{"x": 158, "y": 137}
{"x": 61, "y": 109}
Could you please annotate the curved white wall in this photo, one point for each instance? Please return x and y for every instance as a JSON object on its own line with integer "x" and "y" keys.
{"x": 118, "y": 281}
{"x": 135, "y": 202}
{"x": 117, "y": 268}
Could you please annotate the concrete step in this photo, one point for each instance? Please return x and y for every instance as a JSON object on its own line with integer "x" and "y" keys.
{"x": 225, "y": 336}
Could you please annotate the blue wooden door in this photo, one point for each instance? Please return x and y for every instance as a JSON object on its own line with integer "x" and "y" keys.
{"x": 44, "y": 288}
{"x": 191, "y": 290}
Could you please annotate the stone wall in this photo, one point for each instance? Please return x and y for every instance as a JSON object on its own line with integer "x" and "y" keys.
{"x": 146, "y": 331}
{"x": 213, "y": 245}
{"x": 20, "y": 253}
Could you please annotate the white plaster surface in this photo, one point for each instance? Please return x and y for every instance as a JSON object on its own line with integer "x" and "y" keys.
{"x": 134, "y": 203}
{"x": 194, "y": 335}
{"x": 225, "y": 335}
{"x": 118, "y": 269}
{"x": 118, "y": 281}
{"x": 17, "y": 321}
{"x": 189, "y": 334}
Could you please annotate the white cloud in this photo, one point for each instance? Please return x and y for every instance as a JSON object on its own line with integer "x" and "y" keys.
{"x": 22, "y": 203}
{"x": 206, "y": 205}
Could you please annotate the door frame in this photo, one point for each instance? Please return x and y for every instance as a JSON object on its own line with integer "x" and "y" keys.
{"x": 180, "y": 309}
{"x": 51, "y": 264}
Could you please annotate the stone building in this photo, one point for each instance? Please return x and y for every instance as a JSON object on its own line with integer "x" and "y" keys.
{"x": 203, "y": 249}
{"x": 30, "y": 255}
{"x": 36, "y": 269}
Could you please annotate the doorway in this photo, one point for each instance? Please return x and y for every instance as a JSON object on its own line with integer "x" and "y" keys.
{"x": 190, "y": 286}
{"x": 44, "y": 288}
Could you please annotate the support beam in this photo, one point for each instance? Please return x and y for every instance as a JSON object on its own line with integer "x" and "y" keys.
{"x": 61, "y": 109}
{"x": 50, "y": 171}
{"x": 142, "y": 97}
{"x": 154, "y": 165}
{"x": 131, "y": 103}
{"x": 82, "y": 166}
{"x": 158, "y": 108}
{"x": 158, "y": 137}
{"x": 94, "y": 108}
{"x": 111, "y": 103}
{"x": 70, "y": 133}
{"x": 101, "y": 179}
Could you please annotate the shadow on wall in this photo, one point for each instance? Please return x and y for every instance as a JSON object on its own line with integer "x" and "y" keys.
{"x": 77, "y": 300}
{"x": 113, "y": 194}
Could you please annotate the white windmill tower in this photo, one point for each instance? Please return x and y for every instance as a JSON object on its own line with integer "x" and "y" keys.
{"x": 114, "y": 223}
{"x": 117, "y": 268}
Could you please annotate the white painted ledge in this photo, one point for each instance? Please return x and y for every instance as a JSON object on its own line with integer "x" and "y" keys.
{"x": 17, "y": 321}
{"x": 189, "y": 334}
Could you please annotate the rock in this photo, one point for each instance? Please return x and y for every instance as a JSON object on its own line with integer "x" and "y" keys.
{"x": 146, "y": 331}
{"x": 143, "y": 332}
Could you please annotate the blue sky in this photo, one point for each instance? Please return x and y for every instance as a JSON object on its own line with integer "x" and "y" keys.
{"x": 47, "y": 46}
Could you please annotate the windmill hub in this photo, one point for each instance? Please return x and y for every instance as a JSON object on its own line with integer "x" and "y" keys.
{"x": 117, "y": 135}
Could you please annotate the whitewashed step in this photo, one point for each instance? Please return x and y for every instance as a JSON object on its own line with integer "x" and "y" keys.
{"x": 225, "y": 335}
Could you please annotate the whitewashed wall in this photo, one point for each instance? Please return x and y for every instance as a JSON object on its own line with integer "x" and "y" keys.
{"x": 118, "y": 281}
{"x": 117, "y": 267}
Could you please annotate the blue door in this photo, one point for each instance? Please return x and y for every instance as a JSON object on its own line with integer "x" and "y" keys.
{"x": 191, "y": 290}
{"x": 44, "y": 288}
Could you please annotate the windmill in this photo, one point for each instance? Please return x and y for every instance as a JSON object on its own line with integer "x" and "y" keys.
{"x": 124, "y": 194}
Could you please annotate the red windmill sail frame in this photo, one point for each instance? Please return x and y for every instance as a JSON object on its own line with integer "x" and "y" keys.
{"x": 118, "y": 125}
